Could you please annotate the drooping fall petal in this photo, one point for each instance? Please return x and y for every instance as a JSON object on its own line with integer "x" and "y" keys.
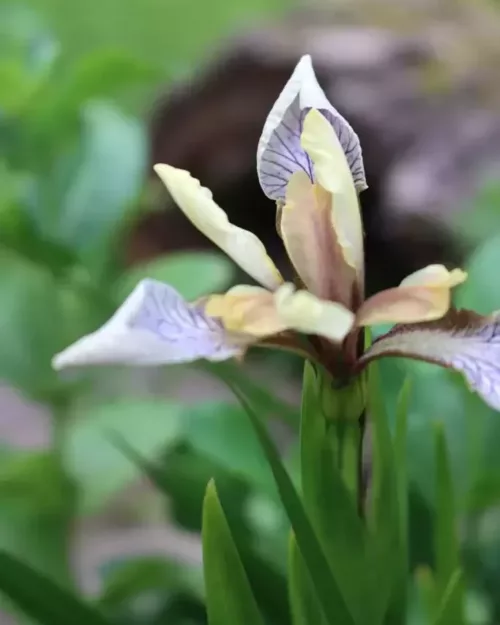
{"x": 463, "y": 340}
{"x": 242, "y": 246}
{"x": 310, "y": 240}
{"x": 423, "y": 296}
{"x": 280, "y": 154}
{"x": 153, "y": 326}
{"x": 332, "y": 172}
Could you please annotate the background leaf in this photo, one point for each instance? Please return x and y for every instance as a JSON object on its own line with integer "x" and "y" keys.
{"x": 136, "y": 576}
{"x": 91, "y": 457}
{"x": 481, "y": 290}
{"x": 109, "y": 177}
{"x": 215, "y": 428}
{"x": 193, "y": 274}
{"x": 37, "y": 502}
{"x": 229, "y": 597}
{"x": 40, "y": 598}
{"x": 30, "y": 318}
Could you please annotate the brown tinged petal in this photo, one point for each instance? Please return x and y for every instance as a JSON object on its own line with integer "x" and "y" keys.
{"x": 308, "y": 234}
{"x": 462, "y": 340}
{"x": 404, "y": 305}
{"x": 423, "y": 296}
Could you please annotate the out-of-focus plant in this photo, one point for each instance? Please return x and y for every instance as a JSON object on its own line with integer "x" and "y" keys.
{"x": 72, "y": 174}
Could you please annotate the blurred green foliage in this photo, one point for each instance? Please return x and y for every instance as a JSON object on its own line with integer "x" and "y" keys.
{"x": 72, "y": 185}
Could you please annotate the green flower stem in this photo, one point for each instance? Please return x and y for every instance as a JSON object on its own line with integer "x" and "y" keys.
{"x": 347, "y": 439}
{"x": 344, "y": 412}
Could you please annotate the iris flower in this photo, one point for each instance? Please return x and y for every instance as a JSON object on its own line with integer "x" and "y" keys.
{"x": 309, "y": 161}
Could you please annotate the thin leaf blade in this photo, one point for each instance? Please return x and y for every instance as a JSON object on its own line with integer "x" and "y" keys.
{"x": 445, "y": 537}
{"x": 228, "y": 594}
{"x": 304, "y": 604}
{"x": 327, "y": 590}
{"x": 41, "y": 599}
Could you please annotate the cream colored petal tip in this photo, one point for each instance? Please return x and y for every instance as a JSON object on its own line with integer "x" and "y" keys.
{"x": 422, "y": 296}
{"x": 306, "y": 313}
{"x": 242, "y": 246}
{"x": 435, "y": 276}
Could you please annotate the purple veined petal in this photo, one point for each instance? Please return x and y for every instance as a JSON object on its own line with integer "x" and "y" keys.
{"x": 463, "y": 340}
{"x": 279, "y": 153}
{"x": 154, "y": 326}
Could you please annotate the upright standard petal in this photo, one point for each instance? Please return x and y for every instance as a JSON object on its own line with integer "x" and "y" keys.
{"x": 331, "y": 170}
{"x": 463, "y": 341}
{"x": 242, "y": 246}
{"x": 280, "y": 154}
{"x": 303, "y": 312}
{"x": 153, "y": 326}
{"x": 311, "y": 243}
{"x": 423, "y": 296}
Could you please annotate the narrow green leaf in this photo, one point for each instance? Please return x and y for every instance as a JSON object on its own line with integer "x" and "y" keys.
{"x": 385, "y": 513}
{"x": 233, "y": 375}
{"x": 445, "y": 537}
{"x": 385, "y": 508}
{"x": 327, "y": 500}
{"x": 183, "y": 481}
{"x": 452, "y": 597}
{"x": 401, "y": 466}
{"x": 139, "y": 575}
{"x": 327, "y": 589}
{"x": 425, "y": 586}
{"x": 303, "y": 600}
{"x": 229, "y": 597}
{"x": 41, "y": 599}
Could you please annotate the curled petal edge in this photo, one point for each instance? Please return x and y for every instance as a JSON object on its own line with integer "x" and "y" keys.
{"x": 242, "y": 246}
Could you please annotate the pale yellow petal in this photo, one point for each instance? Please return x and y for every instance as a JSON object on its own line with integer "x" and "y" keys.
{"x": 332, "y": 172}
{"x": 246, "y": 310}
{"x": 435, "y": 275}
{"x": 423, "y": 296}
{"x": 259, "y": 313}
{"x": 303, "y": 312}
{"x": 310, "y": 241}
{"x": 197, "y": 204}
